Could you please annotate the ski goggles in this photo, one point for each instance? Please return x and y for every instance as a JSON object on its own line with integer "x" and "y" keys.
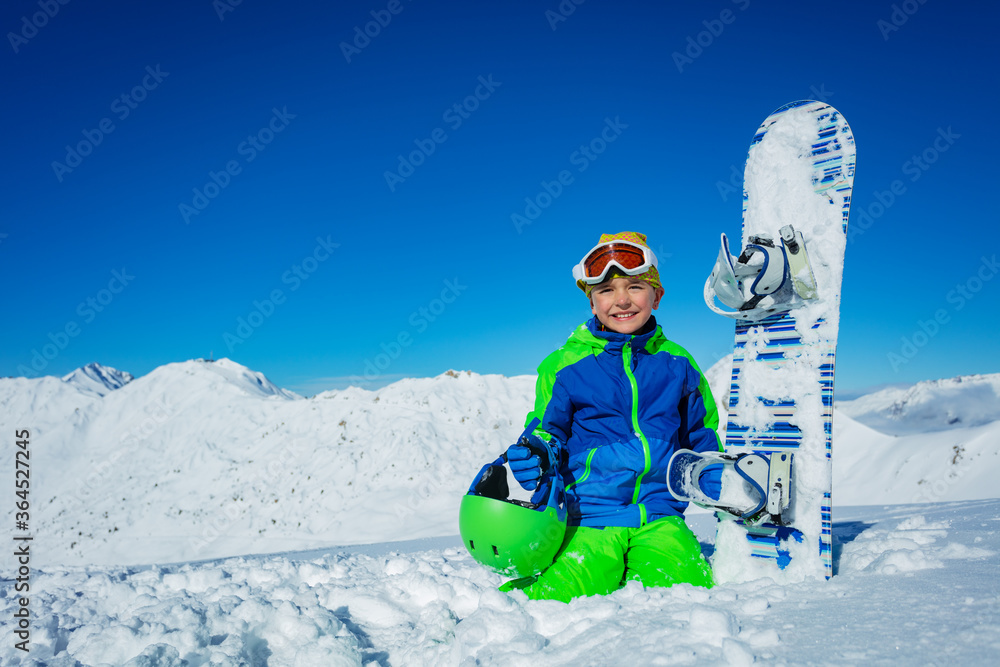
{"x": 629, "y": 258}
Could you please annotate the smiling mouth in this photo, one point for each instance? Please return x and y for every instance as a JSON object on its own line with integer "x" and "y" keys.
{"x": 624, "y": 316}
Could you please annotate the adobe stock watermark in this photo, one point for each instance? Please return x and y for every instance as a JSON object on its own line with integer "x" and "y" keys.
{"x": 918, "y": 164}
{"x": 581, "y": 158}
{"x": 294, "y": 277}
{"x": 454, "y": 116}
{"x": 101, "y": 472}
{"x": 900, "y": 14}
{"x": 958, "y": 297}
{"x": 929, "y": 492}
{"x": 563, "y": 11}
{"x": 419, "y": 321}
{"x": 427, "y": 488}
{"x": 363, "y": 36}
{"x": 223, "y": 7}
{"x": 121, "y": 107}
{"x": 248, "y": 149}
{"x": 431, "y": 486}
{"x": 442, "y": 477}
{"x": 735, "y": 183}
{"x": 31, "y": 25}
{"x": 282, "y": 460}
{"x": 697, "y": 44}
{"x": 88, "y": 309}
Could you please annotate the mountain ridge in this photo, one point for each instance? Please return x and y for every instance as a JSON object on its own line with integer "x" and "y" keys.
{"x": 197, "y": 460}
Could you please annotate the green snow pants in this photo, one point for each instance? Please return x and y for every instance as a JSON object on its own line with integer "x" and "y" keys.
{"x": 598, "y": 561}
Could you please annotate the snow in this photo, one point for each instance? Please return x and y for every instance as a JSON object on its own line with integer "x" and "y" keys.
{"x": 934, "y": 405}
{"x": 259, "y": 529}
{"x": 914, "y": 584}
{"x": 204, "y": 460}
{"x": 959, "y": 464}
{"x": 97, "y": 378}
{"x": 874, "y": 466}
{"x": 201, "y": 460}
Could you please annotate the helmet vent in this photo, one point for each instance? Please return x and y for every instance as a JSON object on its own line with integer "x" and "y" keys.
{"x": 472, "y": 545}
{"x": 495, "y": 552}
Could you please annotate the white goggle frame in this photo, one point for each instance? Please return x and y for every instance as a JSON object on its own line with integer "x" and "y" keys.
{"x": 649, "y": 260}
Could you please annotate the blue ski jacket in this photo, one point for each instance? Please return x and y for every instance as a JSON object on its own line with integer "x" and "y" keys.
{"x": 615, "y": 407}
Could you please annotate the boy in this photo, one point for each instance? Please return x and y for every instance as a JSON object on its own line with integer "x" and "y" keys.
{"x": 615, "y": 402}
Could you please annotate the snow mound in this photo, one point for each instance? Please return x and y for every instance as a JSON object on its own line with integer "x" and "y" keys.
{"x": 910, "y": 545}
{"x": 97, "y": 378}
{"x": 932, "y": 405}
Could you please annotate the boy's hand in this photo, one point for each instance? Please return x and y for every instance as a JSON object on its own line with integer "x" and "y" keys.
{"x": 525, "y": 465}
{"x": 710, "y": 480}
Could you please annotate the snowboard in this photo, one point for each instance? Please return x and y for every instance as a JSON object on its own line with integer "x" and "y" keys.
{"x": 775, "y": 507}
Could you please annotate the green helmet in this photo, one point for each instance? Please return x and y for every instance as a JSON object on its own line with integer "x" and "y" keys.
{"x": 511, "y": 537}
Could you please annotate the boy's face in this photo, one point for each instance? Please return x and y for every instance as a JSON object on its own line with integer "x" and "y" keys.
{"x": 624, "y": 304}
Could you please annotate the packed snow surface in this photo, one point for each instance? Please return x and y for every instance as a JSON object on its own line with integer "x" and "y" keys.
{"x": 914, "y": 584}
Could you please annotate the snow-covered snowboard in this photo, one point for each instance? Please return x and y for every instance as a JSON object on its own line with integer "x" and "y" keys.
{"x": 784, "y": 293}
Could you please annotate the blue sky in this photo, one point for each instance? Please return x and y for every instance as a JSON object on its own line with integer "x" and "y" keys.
{"x": 193, "y": 178}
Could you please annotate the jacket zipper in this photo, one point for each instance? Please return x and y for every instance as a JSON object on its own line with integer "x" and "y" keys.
{"x": 627, "y": 360}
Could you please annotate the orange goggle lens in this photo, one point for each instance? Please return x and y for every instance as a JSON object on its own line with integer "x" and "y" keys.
{"x": 628, "y": 256}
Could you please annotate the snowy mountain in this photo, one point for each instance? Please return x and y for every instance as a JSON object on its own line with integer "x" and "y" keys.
{"x": 934, "y": 405}
{"x": 200, "y": 460}
{"x": 97, "y": 378}
{"x": 962, "y": 402}
{"x": 896, "y": 445}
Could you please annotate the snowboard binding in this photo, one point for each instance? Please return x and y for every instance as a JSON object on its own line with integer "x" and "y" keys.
{"x": 766, "y": 279}
{"x": 756, "y": 487}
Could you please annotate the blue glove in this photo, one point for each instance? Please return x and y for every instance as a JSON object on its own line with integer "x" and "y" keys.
{"x": 710, "y": 480}
{"x": 525, "y": 465}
